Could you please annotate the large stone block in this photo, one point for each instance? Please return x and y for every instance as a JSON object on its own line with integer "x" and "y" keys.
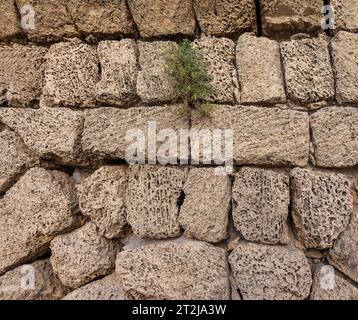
{"x": 9, "y": 21}
{"x": 345, "y": 14}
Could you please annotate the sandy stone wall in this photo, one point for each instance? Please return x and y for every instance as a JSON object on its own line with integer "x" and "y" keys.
{"x": 83, "y": 224}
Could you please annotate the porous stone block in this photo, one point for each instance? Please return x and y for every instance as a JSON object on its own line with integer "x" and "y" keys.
{"x": 9, "y": 21}
{"x": 264, "y": 272}
{"x": 260, "y": 205}
{"x": 172, "y": 271}
{"x": 322, "y": 204}
{"x": 345, "y": 13}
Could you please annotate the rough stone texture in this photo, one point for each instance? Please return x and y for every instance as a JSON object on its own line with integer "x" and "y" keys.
{"x": 153, "y": 82}
{"x": 108, "y": 288}
{"x": 225, "y": 16}
{"x": 259, "y": 67}
{"x": 204, "y": 214}
{"x": 102, "y": 197}
{"x": 171, "y": 271}
{"x": 344, "y": 254}
{"x": 71, "y": 75}
{"x": 262, "y": 136}
{"x": 162, "y": 17}
{"x": 283, "y": 18}
{"x": 260, "y": 205}
{"x": 15, "y": 158}
{"x": 335, "y": 137}
{"x": 119, "y": 72}
{"x": 46, "y": 285}
{"x": 36, "y": 209}
{"x": 270, "y": 272}
{"x": 345, "y": 56}
{"x": 21, "y": 74}
{"x": 9, "y": 21}
{"x": 338, "y": 289}
{"x": 50, "y": 133}
{"x": 105, "y": 129}
{"x": 346, "y": 14}
{"x": 82, "y": 255}
{"x": 308, "y": 72}
{"x": 219, "y": 54}
{"x": 152, "y": 200}
{"x": 322, "y": 204}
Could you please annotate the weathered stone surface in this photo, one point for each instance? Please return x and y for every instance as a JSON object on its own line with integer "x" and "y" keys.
{"x": 21, "y": 74}
{"x": 162, "y": 17}
{"x": 259, "y": 67}
{"x": 225, "y": 16}
{"x": 82, "y": 255}
{"x": 51, "y": 20}
{"x": 105, "y": 129}
{"x": 270, "y": 272}
{"x": 119, "y": 72}
{"x": 188, "y": 271}
{"x": 32, "y": 213}
{"x": 152, "y": 200}
{"x": 322, "y": 204}
{"x": 50, "y": 133}
{"x": 44, "y": 286}
{"x": 330, "y": 286}
{"x": 260, "y": 205}
{"x": 285, "y": 17}
{"x": 335, "y": 137}
{"x": 71, "y": 75}
{"x": 346, "y": 14}
{"x": 219, "y": 54}
{"x": 15, "y": 158}
{"x": 308, "y": 72}
{"x": 262, "y": 136}
{"x": 204, "y": 214}
{"x": 153, "y": 82}
{"x": 102, "y": 197}
{"x": 9, "y": 21}
{"x": 345, "y": 56}
{"x": 344, "y": 254}
{"x": 108, "y": 288}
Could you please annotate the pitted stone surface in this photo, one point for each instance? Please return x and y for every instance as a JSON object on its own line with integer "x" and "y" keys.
{"x": 152, "y": 198}
{"x": 82, "y": 255}
{"x": 119, "y": 72}
{"x": 71, "y": 75}
{"x": 219, "y": 55}
{"x": 102, "y": 197}
{"x": 308, "y": 72}
{"x": 260, "y": 205}
{"x": 322, "y": 204}
{"x": 36, "y": 209}
{"x": 172, "y": 271}
{"x": 335, "y": 137}
{"x": 259, "y": 67}
{"x": 46, "y": 285}
{"x": 9, "y": 21}
{"x": 270, "y": 272}
{"x": 225, "y": 16}
{"x": 204, "y": 214}
{"x": 346, "y": 14}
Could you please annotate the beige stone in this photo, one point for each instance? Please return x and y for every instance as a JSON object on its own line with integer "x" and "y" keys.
{"x": 119, "y": 72}
{"x": 82, "y": 256}
{"x": 152, "y": 200}
{"x": 71, "y": 75}
{"x": 204, "y": 214}
{"x": 322, "y": 204}
{"x": 225, "y": 16}
{"x": 171, "y": 271}
{"x": 260, "y": 205}
{"x": 102, "y": 197}
{"x": 219, "y": 55}
{"x": 44, "y": 286}
{"x": 345, "y": 14}
{"x": 9, "y": 21}
{"x": 259, "y": 67}
{"x": 37, "y": 208}
{"x": 308, "y": 72}
{"x": 345, "y": 56}
{"x": 265, "y": 272}
{"x": 335, "y": 137}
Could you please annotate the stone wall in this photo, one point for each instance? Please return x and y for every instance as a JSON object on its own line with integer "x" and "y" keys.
{"x": 283, "y": 225}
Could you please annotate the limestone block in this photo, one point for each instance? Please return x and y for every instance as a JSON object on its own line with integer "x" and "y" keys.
{"x": 345, "y": 14}
{"x": 9, "y": 21}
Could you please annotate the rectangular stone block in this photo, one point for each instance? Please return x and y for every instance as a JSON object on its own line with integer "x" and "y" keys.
{"x": 346, "y": 16}
{"x": 9, "y": 21}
